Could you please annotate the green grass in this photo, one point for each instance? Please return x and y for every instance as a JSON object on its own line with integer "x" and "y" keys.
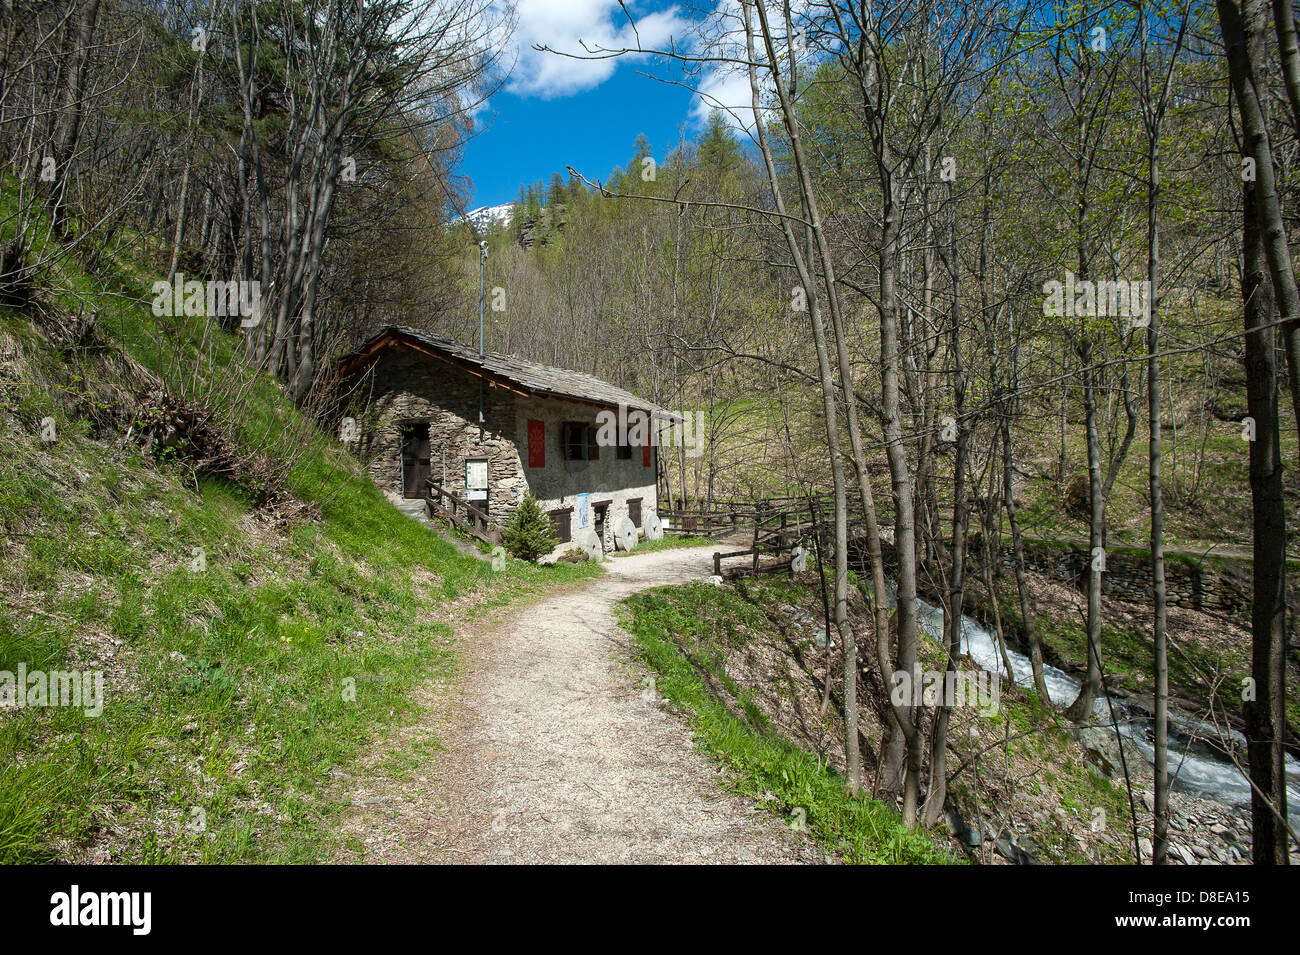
{"x": 1217, "y": 513}
{"x": 1070, "y": 784}
{"x": 685, "y": 635}
{"x": 675, "y": 632}
{"x": 235, "y": 691}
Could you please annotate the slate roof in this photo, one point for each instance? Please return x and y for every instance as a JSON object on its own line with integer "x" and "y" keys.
{"x": 543, "y": 381}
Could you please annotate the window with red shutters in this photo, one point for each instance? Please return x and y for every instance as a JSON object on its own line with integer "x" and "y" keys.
{"x": 537, "y": 444}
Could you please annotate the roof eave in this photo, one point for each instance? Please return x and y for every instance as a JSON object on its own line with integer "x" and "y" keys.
{"x": 391, "y": 337}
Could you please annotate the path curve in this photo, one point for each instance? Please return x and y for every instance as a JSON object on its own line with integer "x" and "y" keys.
{"x": 555, "y": 753}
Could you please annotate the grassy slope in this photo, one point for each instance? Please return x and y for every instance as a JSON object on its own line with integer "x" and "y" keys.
{"x": 1199, "y": 514}
{"x": 1214, "y": 516}
{"x": 227, "y": 690}
{"x": 685, "y": 635}
{"x": 673, "y": 633}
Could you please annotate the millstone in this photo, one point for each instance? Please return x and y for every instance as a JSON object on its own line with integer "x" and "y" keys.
{"x": 654, "y": 528}
{"x": 587, "y": 539}
{"x": 625, "y": 536}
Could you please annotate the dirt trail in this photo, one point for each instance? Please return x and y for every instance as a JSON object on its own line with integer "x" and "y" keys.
{"x": 554, "y": 752}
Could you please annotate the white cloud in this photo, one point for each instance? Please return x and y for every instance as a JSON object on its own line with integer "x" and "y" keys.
{"x": 579, "y": 27}
{"x": 566, "y": 25}
{"x": 725, "y": 86}
{"x": 727, "y": 89}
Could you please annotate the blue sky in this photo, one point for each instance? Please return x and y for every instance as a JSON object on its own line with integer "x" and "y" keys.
{"x": 592, "y": 131}
{"x": 556, "y": 111}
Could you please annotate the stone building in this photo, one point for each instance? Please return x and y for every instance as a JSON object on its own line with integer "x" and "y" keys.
{"x": 435, "y": 417}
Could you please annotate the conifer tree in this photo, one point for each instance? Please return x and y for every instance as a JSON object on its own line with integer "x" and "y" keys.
{"x": 529, "y": 534}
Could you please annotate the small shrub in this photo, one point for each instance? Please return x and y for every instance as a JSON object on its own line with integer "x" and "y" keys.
{"x": 175, "y": 428}
{"x": 529, "y": 534}
{"x": 1078, "y": 496}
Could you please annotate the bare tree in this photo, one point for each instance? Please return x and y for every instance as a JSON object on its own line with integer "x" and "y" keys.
{"x": 1264, "y": 247}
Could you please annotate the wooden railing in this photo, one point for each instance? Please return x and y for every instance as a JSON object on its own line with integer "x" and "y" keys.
{"x": 705, "y": 524}
{"x": 777, "y": 524}
{"x": 462, "y": 513}
{"x": 717, "y": 517}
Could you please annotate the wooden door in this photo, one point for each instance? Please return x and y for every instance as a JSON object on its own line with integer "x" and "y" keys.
{"x": 563, "y": 524}
{"x": 415, "y": 460}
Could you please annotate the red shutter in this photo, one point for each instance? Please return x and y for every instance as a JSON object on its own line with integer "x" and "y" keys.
{"x": 537, "y": 444}
{"x": 645, "y": 454}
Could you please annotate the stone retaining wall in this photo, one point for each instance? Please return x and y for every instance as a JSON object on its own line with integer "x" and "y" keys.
{"x": 1212, "y": 584}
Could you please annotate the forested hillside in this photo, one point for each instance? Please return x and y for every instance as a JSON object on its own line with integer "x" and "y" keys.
{"x": 698, "y": 310}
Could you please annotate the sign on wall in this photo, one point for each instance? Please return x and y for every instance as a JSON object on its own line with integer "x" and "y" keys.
{"x": 476, "y": 479}
{"x": 584, "y": 510}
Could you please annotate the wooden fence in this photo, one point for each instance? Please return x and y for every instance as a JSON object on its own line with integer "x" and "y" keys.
{"x": 462, "y": 513}
{"x": 774, "y": 525}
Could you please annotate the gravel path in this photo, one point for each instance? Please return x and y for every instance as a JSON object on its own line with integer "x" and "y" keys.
{"x": 555, "y": 751}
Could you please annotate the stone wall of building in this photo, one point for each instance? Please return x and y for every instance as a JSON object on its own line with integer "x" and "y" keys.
{"x": 607, "y": 480}
{"x": 410, "y": 387}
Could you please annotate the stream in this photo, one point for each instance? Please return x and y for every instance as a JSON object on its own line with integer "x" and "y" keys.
{"x": 1196, "y": 757}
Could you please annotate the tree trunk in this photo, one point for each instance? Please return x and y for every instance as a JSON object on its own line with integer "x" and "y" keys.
{"x": 1243, "y": 32}
{"x": 1261, "y": 224}
{"x": 1027, "y": 610}
{"x": 938, "y": 788}
{"x": 1081, "y": 709}
{"x": 1154, "y": 112}
{"x": 67, "y": 130}
{"x": 808, "y": 279}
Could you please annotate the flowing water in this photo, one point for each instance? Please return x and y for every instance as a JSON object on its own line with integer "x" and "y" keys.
{"x": 1197, "y": 758}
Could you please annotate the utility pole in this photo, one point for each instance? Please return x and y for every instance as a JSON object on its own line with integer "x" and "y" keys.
{"x": 482, "y": 299}
{"x": 482, "y": 291}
